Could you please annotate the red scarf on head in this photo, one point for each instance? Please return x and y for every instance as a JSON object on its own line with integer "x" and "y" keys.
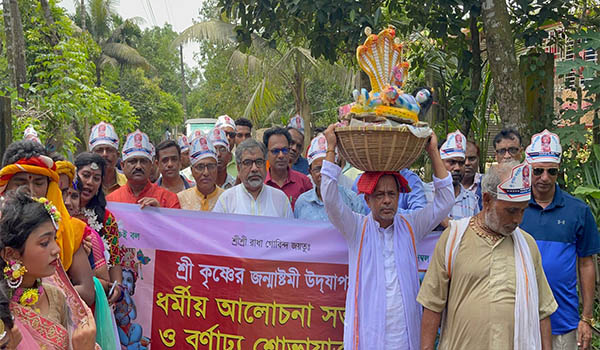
{"x": 368, "y": 181}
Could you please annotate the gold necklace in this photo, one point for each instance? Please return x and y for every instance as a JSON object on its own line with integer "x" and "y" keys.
{"x": 483, "y": 231}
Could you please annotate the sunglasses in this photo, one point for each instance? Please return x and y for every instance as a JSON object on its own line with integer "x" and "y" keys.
{"x": 230, "y": 134}
{"x": 511, "y": 150}
{"x": 276, "y": 151}
{"x": 540, "y": 171}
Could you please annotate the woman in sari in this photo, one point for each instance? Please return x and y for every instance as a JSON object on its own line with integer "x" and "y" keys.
{"x": 90, "y": 173}
{"x": 48, "y": 312}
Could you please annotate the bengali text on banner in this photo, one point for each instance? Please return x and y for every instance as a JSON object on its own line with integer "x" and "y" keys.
{"x": 198, "y": 280}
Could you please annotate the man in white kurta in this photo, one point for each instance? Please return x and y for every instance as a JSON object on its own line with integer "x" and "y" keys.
{"x": 382, "y": 252}
{"x": 252, "y": 196}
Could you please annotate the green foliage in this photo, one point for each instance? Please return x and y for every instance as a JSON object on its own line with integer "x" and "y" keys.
{"x": 157, "y": 110}
{"x": 589, "y": 190}
{"x": 64, "y": 92}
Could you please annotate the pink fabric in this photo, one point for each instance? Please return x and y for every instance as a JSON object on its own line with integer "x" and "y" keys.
{"x": 296, "y": 184}
{"x": 97, "y": 247}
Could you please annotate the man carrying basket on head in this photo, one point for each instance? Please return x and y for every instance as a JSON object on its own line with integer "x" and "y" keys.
{"x": 381, "y": 307}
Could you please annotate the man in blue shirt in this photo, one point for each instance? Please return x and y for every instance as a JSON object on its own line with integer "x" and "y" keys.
{"x": 567, "y": 236}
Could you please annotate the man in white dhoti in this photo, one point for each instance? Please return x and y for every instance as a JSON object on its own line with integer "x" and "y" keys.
{"x": 381, "y": 307}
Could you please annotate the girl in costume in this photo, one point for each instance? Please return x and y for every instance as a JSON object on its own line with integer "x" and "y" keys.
{"x": 94, "y": 246}
{"x": 48, "y": 312}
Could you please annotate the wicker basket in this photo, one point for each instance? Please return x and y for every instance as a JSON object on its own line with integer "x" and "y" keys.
{"x": 379, "y": 148}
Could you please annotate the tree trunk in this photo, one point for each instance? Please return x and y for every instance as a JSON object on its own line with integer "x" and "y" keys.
{"x": 19, "y": 48}
{"x": 8, "y": 32}
{"x": 302, "y": 105}
{"x": 503, "y": 62}
{"x": 183, "y": 97}
{"x": 53, "y": 37}
{"x": 475, "y": 69}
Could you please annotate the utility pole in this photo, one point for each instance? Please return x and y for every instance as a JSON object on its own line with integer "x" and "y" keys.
{"x": 183, "y": 99}
{"x": 83, "y": 15}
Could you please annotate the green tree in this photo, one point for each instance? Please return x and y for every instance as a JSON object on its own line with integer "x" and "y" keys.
{"x": 157, "y": 110}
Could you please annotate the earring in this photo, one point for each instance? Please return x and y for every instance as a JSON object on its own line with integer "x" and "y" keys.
{"x": 13, "y": 273}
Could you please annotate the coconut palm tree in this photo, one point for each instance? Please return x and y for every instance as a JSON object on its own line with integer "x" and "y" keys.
{"x": 283, "y": 68}
{"x": 103, "y": 24}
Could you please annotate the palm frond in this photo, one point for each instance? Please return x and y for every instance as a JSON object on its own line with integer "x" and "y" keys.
{"x": 261, "y": 102}
{"x": 242, "y": 61}
{"x": 125, "y": 54}
{"x": 215, "y": 31}
{"x": 107, "y": 60}
{"x": 101, "y": 12}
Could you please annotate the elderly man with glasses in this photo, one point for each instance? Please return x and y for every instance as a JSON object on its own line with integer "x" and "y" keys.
{"x": 507, "y": 144}
{"x": 280, "y": 175}
{"x": 567, "y": 236}
{"x": 252, "y": 196}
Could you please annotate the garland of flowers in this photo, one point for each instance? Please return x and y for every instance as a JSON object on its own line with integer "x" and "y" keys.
{"x": 29, "y": 296}
{"x": 92, "y": 221}
{"x": 51, "y": 209}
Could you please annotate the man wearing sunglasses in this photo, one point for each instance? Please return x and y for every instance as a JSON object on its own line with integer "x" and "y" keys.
{"x": 507, "y": 145}
{"x": 280, "y": 175}
{"x": 567, "y": 236}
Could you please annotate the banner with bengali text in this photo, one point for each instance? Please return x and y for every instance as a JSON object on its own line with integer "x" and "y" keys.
{"x": 201, "y": 280}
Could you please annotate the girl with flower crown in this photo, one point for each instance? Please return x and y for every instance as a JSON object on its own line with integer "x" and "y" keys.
{"x": 48, "y": 312}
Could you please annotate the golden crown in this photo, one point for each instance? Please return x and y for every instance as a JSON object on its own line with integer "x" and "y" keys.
{"x": 381, "y": 58}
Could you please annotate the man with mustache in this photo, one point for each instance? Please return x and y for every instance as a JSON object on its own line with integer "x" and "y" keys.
{"x": 105, "y": 142}
{"x": 280, "y": 175}
{"x": 381, "y": 308}
{"x": 252, "y": 196}
{"x": 486, "y": 275}
{"x": 452, "y": 152}
{"x": 507, "y": 145}
{"x": 567, "y": 237}
{"x": 137, "y": 157}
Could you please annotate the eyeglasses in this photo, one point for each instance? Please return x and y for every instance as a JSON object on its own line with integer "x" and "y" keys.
{"x": 276, "y": 151}
{"x": 201, "y": 167}
{"x": 540, "y": 171}
{"x": 230, "y": 134}
{"x": 247, "y": 163}
{"x": 511, "y": 150}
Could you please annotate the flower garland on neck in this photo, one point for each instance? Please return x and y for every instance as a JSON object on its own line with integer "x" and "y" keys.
{"x": 92, "y": 221}
{"x": 28, "y": 297}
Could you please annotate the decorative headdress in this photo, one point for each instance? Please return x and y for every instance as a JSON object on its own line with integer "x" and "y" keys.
{"x": 317, "y": 149}
{"x": 517, "y": 188}
{"x": 137, "y": 144}
{"x": 31, "y": 134}
{"x": 544, "y": 147}
{"x": 455, "y": 146}
{"x": 104, "y": 134}
{"x": 217, "y": 137}
{"x": 183, "y": 143}
{"x": 201, "y": 148}
{"x": 225, "y": 121}
{"x": 297, "y": 123}
{"x": 51, "y": 209}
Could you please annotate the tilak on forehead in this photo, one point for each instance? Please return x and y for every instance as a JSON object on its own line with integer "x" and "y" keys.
{"x": 69, "y": 233}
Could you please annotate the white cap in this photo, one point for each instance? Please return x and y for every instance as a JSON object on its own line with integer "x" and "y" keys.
{"x": 455, "y": 146}
{"x": 218, "y": 137}
{"x": 137, "y": 144}
{"x": 518, "y": 187}
{"x": 31, "y": 134}
{"x": 201, "y": 148}
{"x": 183, "y": 143}
{"x": 317, "y": 149}
{"x": 297, "y": 123}
{"x": 103, "y": 134}
{"x": 544, "y": 147}
{"x": 195, "y": 134}
{"x": 225, "y": 121}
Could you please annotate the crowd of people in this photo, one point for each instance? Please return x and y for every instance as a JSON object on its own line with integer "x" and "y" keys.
{"x": 513, "y": 243}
